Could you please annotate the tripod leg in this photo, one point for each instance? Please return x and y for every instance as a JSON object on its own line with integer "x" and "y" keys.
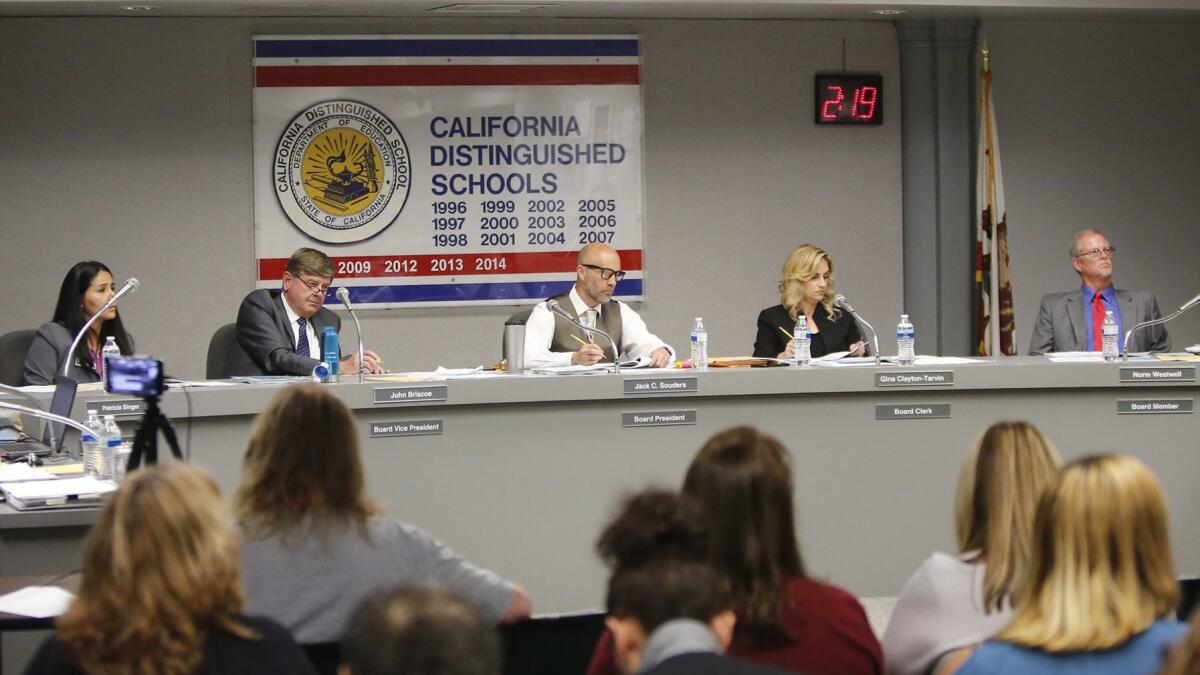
{"x": 169, "y": 433}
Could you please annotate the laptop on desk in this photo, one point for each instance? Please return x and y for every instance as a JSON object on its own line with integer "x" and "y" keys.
{"x": 15, "y": 444}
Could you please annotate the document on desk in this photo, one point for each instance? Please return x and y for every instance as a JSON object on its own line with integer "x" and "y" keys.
{"x": 20, "y": 471}
{"x": 594, "y": 369}
{"x": 61, "y": 493}
{"x": 1094, "y": 357}
{"x": 844, "y": 362}
{"x": 39, "y": 602}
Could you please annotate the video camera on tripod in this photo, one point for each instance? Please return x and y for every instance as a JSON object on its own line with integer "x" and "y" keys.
{"x": 142, "y": 378}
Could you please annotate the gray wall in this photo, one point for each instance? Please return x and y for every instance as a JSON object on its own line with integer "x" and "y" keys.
{"x": 128, "y": 140}
{"x": 1099, "y": 128}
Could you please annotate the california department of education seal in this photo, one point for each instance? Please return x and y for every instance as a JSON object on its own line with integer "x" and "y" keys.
{"x": 342, "y": 171}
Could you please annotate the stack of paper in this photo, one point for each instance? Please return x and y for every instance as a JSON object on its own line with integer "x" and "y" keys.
{"x": 64, "y": 492}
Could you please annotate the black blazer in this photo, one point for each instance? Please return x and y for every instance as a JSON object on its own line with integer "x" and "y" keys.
{"x": 706, "y": 663}
{"x": 265, "y": 343}
{"x": 835, "y": 335}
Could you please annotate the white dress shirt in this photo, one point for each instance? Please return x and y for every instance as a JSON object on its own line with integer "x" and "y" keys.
{"x": 636, "y": 339}
{"x": 314, "y": 345}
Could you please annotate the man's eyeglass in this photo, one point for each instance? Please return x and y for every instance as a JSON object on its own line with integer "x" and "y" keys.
{"x": 313, "y": 288}
{"x": 1096, "y": 253}
{"x": 605, "y": 273}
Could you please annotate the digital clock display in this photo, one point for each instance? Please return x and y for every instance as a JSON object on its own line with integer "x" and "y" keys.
{"x": 849, "y": 99}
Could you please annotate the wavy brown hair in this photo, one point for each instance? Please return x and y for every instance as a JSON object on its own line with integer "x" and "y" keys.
{"x": 160, "y": 570}
{"x": 801, "y": 265}
{"x": 302, "y": 462}
{"x": 743, "y": 481}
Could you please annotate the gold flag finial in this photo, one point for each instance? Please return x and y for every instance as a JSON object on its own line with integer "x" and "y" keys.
{"x": 986, "y": 52}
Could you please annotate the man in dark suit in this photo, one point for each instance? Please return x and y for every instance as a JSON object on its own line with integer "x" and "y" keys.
{"x": 279, "y": 332}
{"x": 1071, "y": 321}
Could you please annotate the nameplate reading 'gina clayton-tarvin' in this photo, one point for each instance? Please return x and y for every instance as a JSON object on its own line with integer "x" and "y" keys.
{"x": 116, "y": 408}
{"x": 436, "y": 392}
{"x": 913, "y": 411}
{"x": 661, "y": 385}
{"x": 1156, "y": 406}
{"x": 658, "y": 418}
{"x": 406, "y": 428}
{"x": 1159, "y": 374}
{"x": 915, "y": 378}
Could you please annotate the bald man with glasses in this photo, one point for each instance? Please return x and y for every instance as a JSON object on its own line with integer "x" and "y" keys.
{"x": 1071, "y": 321}
{"x": 553, "y": 341}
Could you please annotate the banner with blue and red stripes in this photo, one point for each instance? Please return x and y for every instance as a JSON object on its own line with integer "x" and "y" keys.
{"x": 448, "y": 170}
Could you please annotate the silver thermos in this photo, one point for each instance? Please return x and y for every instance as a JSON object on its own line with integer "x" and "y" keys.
{"x": 514, "y": 345}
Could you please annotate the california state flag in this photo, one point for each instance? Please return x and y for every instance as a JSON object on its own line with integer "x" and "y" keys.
{"x": 993, "y": 286}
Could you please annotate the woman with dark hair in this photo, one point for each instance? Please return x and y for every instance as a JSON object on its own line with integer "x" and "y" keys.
{"x": 87, "y": 286}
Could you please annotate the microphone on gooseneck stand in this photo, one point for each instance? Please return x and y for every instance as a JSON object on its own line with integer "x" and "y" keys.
{"x": 1154, "y": 322}
{"x": 840, "y": 301}
{"x": 556, "y": 308}
{"x": 343, "y": 294}
{"x": 130, "y": 286}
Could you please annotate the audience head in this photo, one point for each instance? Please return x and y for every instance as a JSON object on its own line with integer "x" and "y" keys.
{"x": 807, "y": 274}
{"x": 162, "y": 554}
{"x": 302, "y": 462}
{"x": 1009, "y": 468}
{"x": 306, "y": 280}
{"x": 85, "y": 289}
{"x": 742, "y": 480}
{"x": 1101, "y": 569}
{"x": 414, "y": 630}
{"x": 656, "y": 548}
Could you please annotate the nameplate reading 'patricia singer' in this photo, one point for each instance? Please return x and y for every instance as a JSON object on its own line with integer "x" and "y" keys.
{"x": 913, "y": 411}
{"x": 406, "y": 428}
{"x": 385, "y": 395}
{"x": 915, "y": 378}
{"x": 662, "y": 385}
{"x": 128, "y": 407}
{"x": 1159, "y": 374}
{"x": 1157, "y": 406}
{"x": 658, "y": 418}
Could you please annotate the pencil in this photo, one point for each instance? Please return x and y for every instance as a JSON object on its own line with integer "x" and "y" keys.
{"x": 784, "y": 330}
{"x": 578, "y": 339}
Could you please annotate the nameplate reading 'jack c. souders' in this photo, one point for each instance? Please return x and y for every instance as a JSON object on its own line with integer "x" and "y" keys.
{"x": 126, "y": 408}
{"x": 913, "y": 411}
{"x": 406, "y": 428}
{"x": 662, "y": 385}
{"x": 1157, "y": 406}
{"x": 915, "y": 378}
{"x": 658, "y": 418}
{"x": 384, "y": 395}
{"x": 1158, "y": 374}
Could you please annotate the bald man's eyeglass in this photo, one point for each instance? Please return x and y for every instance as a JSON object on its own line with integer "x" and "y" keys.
{"x": 605, "y": 273}
{"x": 1097, "y": 253}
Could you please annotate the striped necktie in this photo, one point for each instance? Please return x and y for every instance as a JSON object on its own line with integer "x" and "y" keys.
{"x": 302, "y": 341}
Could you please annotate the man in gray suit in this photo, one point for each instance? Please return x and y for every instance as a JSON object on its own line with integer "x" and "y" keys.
{"x": 279, "y": 332}
{"x": 1070, "y": 321}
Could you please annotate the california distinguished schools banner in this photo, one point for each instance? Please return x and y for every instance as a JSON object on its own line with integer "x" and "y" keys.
{"x": 446, "y": 170}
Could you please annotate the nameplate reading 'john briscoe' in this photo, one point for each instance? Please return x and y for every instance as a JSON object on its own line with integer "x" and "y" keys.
{"x": 406, "y": 428}
{"x": 1158, "y": 406}
{"x": 661, "y": 418}
{"x": 436, "y": 392}
{"x": 913, "y": 411}
{"x": 117, "y": 408}
{"x": 1159, "y": 374}
{"x": 661, "y": 385}
{"x": 914, "y": 378}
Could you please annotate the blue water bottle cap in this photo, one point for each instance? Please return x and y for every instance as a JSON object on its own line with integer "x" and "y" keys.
{"x": 320, "y": 373}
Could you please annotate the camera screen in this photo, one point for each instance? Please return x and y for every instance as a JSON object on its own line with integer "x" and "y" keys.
{"x": 134, "y": 377}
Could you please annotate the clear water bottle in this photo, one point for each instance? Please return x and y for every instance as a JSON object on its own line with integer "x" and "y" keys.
{"x": 1111, "y": 334}
{"x": 111, "y": 441}
{"x": 120, "y": 459}
{"x": 906, "y": 341}
{"x": 699, "y": 345}
{"x": 802, "y": 350}
{"x": 89, "y": 444}
{"x": 110, "y": 350}
{"x": 330, "y": 352}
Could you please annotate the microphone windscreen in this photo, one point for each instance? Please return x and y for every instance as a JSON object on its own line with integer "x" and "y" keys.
{"x": 343, "y": 294}
{"x": 132, "y": 283}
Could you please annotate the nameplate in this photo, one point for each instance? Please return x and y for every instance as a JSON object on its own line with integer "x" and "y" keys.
{"x": 660, "y": 418}
{"x": 913, "y": 411}
{"x": 1159, "y": 374}
{"x": 661, "y": 385}
{"x": 436, "y": 392}
{"x": 1158, "y": 406}
{"x": 128, "y": 407}
{"x": 914, "y": 378}
{"x": 406, "y": 428}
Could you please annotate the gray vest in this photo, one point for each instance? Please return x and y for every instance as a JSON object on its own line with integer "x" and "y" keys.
{"x": 609, "y": 322}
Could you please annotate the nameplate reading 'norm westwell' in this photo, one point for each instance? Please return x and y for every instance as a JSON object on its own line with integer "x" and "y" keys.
{"x": 914, "y": 378}
{"x": 913, "y": 411}
{"x": 1159, "y": 374}
{"x": 118, "y": 408}
{"x": 660, "y": 418}
{"x": 661, "y": 385}
{"x": 406, "y": 428}
{"x": 436, "y": 392}
{"x": 1157, "y": 406}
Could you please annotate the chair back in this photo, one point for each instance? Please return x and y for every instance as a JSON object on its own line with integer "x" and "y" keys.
{"x": 551, "y": 645}
{"x": 222, "y": 343}
{"x": 13, "y": 347}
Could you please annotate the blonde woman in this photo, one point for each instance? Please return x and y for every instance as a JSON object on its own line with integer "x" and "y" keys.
{"x": 314, "y": 544}
{"x": 160, "y": 592}
{"x": 954, "y": 602}
{"x": 1101, "y": 584}
{"x": 807, "y": 289}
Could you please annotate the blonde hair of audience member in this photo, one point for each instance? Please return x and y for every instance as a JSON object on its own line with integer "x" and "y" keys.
{"x": 302, "y": 461}
{"x": 1101, "y": 569}
{"x": 162, "y": 555}
{"x": 1010, "y": 466}
{"x": 801, "y": 265}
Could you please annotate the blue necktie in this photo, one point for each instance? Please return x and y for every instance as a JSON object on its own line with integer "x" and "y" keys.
{"x": 302, "y": 341}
